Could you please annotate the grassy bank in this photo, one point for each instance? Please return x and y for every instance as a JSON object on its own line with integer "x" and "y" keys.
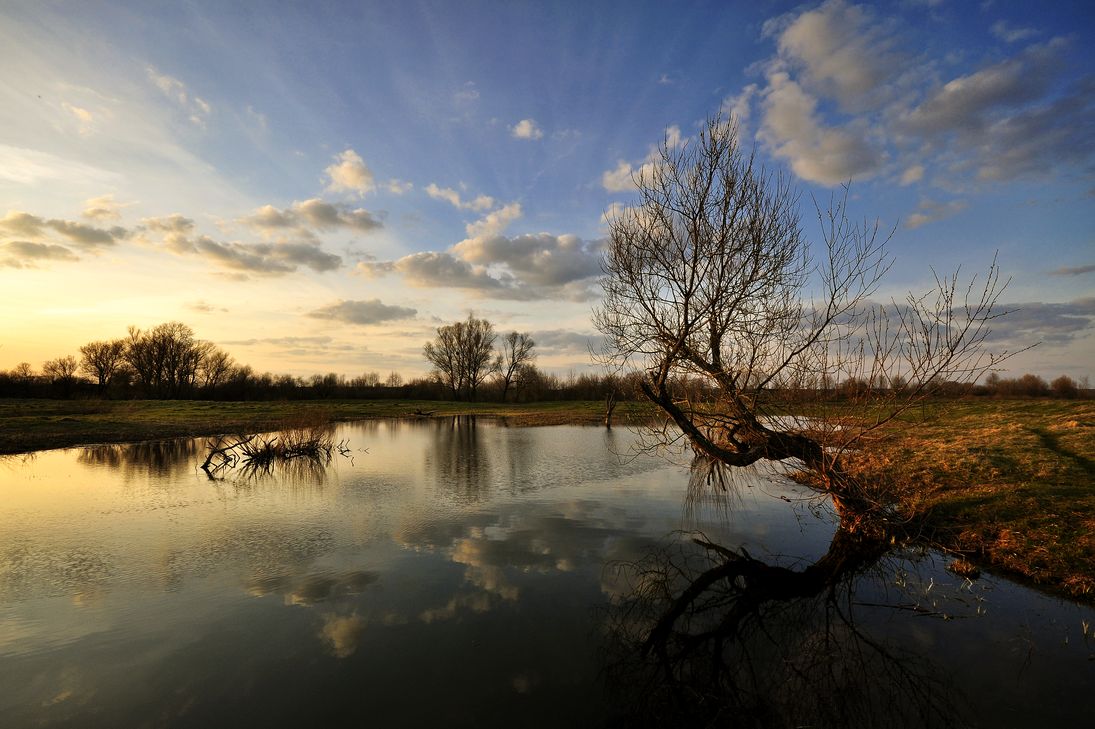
{"x": 29, "y": 425}
{"x": 1008, "y": 483}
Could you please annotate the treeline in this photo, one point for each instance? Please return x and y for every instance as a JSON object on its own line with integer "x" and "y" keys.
{"x": 170, "y": 362}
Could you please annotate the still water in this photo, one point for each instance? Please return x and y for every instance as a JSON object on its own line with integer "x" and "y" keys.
{"x": 462, "y": 573}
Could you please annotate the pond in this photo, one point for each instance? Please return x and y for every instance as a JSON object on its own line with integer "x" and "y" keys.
{"x": 448, "y": 572}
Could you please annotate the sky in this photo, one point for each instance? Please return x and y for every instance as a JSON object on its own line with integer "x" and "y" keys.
{"x": 316, "y": 187}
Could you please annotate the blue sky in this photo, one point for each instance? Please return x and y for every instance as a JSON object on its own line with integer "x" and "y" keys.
{"x": 316, "y": 186}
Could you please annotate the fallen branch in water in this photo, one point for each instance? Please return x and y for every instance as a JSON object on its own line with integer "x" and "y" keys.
{"x": 310, "y": 443}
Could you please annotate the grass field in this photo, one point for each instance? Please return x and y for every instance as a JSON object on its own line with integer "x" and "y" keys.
{"x": 1009, "y": 484}
{"x": 29, "y": 425}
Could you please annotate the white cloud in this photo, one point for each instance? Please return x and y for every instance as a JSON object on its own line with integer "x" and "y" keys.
{"x": 526, "y": 129}
{"x": 842, "y": 52}
{"x": 349, "y": 173}
{"x": 313, "y": 214}
{"x": 398, "y": 187}
{"x": 495, "y": 222}
{"x": 826, "y": 155}
{"x": 478, "y": 204}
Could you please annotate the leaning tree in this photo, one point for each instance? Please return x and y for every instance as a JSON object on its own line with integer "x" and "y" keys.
{"x": 739, "y": 325}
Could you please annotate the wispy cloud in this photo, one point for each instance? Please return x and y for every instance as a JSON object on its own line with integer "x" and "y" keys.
{"x": 1073, "y": 270}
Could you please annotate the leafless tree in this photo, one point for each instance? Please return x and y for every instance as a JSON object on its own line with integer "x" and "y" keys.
{"x": 62, "y": 372}
{"x": 214, "y": 367}
{"x": 461, "y": 355}
{"x": 710, "y": 279}
{"x": 102, "y": 359}
{"x": 165, "y": 359}
{"x": 516, "y": 351}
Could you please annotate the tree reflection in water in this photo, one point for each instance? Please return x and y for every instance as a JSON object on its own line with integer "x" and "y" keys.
{"x": 708, "y": 635}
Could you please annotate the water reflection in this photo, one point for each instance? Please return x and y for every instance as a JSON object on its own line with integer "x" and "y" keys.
{"x": 158, "y": 459}
{"x": 709, "y": 636}
{"x": 470, "y": 558}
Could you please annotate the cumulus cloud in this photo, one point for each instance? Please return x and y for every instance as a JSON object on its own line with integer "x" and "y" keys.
{"x": 816, "y": 152}
{"x": 495, "y": 222}
{"x": 842, "y": 97}
{"x": 349, "y": 173}
{"x": 372, "y": 311}
{"x": 430, "y": 269}
{"x": 540, "y": 259}
{"x": 27, "y": 254}
{"x": 929, "y": 212}
{"x": 196, "y": 108}
{"x": 311, "y": 214}
{"x": 451, "y": 196}
{"x": 104, "y": 207}
{"x": 398, "y": 187}
{"x": 24, "y": 225}
{"x": 524, "y": 267}
{"x": 843, "y": 52}
{"x": 253, "y": 258}
{"x": 526, "y": 129}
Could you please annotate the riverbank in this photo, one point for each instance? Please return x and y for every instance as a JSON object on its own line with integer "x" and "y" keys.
{"x": 1007, "y": 484}
{"x": 31, "y": 425}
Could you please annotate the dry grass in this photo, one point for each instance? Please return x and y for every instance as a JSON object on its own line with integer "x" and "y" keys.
{"x": 1006, "y": 483}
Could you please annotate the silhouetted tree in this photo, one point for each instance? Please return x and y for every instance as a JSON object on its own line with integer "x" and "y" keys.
{"x": 516, "y": 351}
{"x": 461, "y": 355}
{"x": 61, "y": 372}
{"x": 166, "y": 359}
{"x": 102, "y": 359}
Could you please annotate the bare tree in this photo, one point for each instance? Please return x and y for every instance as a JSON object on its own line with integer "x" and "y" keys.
{"x": 102, "y": 359}
{"x": 712, "y": 291}
{"x": 516, "y": 351}
{"x": 461, "y": 355}
{"x": 61, "y": 372}
{"x": 214, "y": 367}
{"x": 165, "y": 359}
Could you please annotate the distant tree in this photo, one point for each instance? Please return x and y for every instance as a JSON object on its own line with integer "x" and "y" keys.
{"x": 165, "y": 359}
{"x": 394, "y": 379}
{"x": 100, "y": 360}
{"x": 214, "y": 368}
{"x": 461, "y": 355}
{"x": 1065, "y": 387}
{"x": 516, "y": 351}
{"x": 61, "y": 372}
{"x": 22, "y": 373}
